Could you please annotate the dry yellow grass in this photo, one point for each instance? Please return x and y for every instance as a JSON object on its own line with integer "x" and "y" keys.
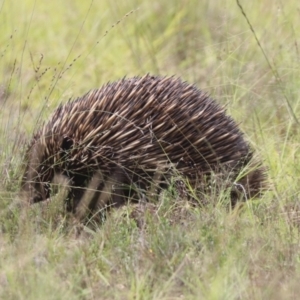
{"x": 51, "y": 51}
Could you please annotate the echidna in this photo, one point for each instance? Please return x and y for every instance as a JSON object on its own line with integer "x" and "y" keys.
{"x": 131, "y": 134}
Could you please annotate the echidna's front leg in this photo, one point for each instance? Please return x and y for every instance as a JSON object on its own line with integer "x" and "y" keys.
{"x": 91, "y": 191}
{"x": 101, "y": 193}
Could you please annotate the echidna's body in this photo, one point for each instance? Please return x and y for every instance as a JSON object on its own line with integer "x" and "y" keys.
{"x": 128, "y": 133}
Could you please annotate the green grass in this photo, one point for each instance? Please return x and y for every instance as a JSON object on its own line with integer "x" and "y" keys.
{"x": 51, "y": 51}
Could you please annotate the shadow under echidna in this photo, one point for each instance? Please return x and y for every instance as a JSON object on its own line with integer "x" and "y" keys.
{"x": 130, "y": 139}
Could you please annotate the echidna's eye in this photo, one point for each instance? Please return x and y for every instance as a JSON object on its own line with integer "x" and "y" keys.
{"x": 66, "y": 144}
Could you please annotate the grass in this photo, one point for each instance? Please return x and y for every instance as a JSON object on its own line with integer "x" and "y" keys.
{"x": 50, "y": 52}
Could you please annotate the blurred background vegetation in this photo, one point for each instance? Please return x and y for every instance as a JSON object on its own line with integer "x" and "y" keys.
{"x": 51, "y": 51}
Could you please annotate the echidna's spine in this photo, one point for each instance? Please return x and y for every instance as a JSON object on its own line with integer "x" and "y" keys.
{"x": 130, "y": 137}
